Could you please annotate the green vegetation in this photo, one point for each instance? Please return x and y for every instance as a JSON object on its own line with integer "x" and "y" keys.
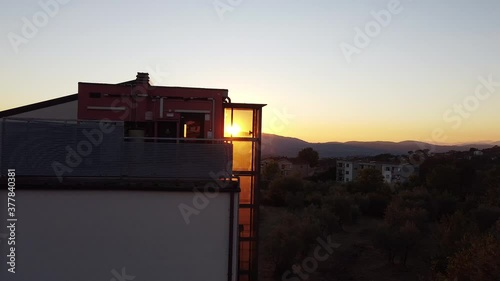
{"x": 443, "y": 224}
{"x": 309, "y": 155}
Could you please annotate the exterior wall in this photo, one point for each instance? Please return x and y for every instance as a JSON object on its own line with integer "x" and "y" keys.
{"x": 349, "y": 176}
{"x": 302, "y": 170}
{"x": 285, "y": 167}
{"x": 65, "y": 111}
{"x": 387, "y": 173}
{"x": 349, "y": 170}
{"x": 391, "y": 173}
{"x": 345, "y": 171}
{"x": 340, "y": 177}
{"x": 83, "y": 235}
{"x": 121, "y": 103}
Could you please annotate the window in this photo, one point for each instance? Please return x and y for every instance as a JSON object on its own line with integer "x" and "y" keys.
{"x": 94, "y": 95}
{"x": 347, "y": 165}
{"x": 346, "y": 172}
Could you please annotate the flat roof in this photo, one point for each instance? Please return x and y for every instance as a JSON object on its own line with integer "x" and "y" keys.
{"x": 38, "y": 105}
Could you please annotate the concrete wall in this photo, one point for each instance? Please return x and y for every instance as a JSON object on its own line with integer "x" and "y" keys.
{"x": 81, "y": 235}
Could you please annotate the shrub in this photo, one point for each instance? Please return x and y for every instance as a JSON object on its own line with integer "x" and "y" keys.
{"x": 397, "y": 215}
{"x": 443, "y": 204}
{"x": 478, "y": 262}
{"x": 486, "y": 216}
{"x": 294, "y": 201}
{"x": 279, "y": 188}
{"x": 373, "y": 204}
{"x": 453, "y": 234}
{"x": 341, "y": 205}
{"x": 290, "y": 240}
{"x": 397, "y": 241}
{"x": 369, "y": 180}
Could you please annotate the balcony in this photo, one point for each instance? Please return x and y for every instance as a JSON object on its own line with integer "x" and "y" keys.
{"x": 65, "y": 149}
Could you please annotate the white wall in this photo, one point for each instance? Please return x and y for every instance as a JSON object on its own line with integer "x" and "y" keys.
{"x": 84, "y": 235}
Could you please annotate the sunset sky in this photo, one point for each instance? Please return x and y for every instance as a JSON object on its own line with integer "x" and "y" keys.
{"x": 423, "y": 75}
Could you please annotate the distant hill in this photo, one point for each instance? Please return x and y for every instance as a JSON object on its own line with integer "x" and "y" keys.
{"x": 274, "y": 145}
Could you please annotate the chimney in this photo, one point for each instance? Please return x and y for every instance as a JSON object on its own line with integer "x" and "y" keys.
{"x": 142, "y": 78}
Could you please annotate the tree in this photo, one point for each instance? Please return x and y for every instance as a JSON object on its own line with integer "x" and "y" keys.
{"x": 290, "y": 240}
{"x": 280, "y": 188}
{"x": 370, "y": 180}
{"x": 309, "y": 155}
{"x": 478, "y": 262}
{"x": 270, "y": 171}
{"x": 444, "y": 178}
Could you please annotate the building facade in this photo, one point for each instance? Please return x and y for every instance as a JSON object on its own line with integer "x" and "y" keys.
{"x": 289, "y": 166}
{"x": 348, "y": 170}
{"x": 191, "y": 147}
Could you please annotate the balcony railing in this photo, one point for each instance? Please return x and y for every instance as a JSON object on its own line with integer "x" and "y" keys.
{"x": 90, "y": 149}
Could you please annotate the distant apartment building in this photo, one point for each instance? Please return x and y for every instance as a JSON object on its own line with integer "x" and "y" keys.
{"x": 289, "y": 166}
{"x": 348, "y": 170}
{"x": 150, "y": 181}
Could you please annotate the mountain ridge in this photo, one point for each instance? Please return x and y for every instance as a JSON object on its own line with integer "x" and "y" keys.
{"x": 276, "y": 145}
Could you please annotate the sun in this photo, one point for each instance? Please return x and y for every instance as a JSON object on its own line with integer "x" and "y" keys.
{"x": 233, "y": 130}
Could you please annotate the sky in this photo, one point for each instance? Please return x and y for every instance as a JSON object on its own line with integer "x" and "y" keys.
{"x": 328, "y": 70}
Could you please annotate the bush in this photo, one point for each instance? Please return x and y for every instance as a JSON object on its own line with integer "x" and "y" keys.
{"x": 443, "y": 204}
{"x": 355, "y": 213}
{"x": 373, "y": 204}
{"x": 279, "y": 188}
{"x": 290, "y": 240}
{"x": 313, "y": 198}
{"x": 397, "y": 241}
{"x": 342, "y": 206}
{"x": 369, "y": 180}
{"x": 329, "y": 222}
{"x": 294, "y": 201}
{"x": 397, "y": 215}
{"x": 478, "y": 262}
{"x": 486, "y": 216}
{"x": 453, "y": 234}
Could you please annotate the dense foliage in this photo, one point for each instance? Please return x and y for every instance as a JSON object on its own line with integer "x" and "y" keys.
{"x": 446, "y": 216}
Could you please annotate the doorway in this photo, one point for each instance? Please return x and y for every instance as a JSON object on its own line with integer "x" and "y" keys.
{"x": 192, "y": 125}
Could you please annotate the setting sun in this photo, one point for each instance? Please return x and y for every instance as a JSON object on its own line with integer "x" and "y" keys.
{"x": 233, "y": 130}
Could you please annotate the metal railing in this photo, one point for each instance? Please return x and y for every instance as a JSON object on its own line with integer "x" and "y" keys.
{"x": 89, "y": 149}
